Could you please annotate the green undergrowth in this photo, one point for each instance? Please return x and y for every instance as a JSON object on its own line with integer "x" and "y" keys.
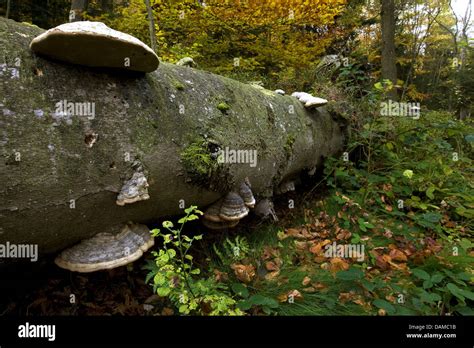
{"x": 402, "y": 197}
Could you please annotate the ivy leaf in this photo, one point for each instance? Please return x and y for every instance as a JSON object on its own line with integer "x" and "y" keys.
{"x": 240, "y": 290}
{"x": 436, "y": 278}
{"x": 421, "y": 274}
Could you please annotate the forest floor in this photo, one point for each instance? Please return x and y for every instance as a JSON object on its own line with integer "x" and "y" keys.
{"x": 399, "y": 223}
{"x": 284, "y": 262}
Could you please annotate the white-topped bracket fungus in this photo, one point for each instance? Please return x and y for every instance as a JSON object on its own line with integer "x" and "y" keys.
{"x": 280, "y": 91}
{"x": 212, "y": 213}
{"x": 233, "y": 208}
{"x": 107, "y": 250}
{"x": 246, "y": 194}
{"x": 304, "y": 97}
{"x": 309, "y": 100}
{"x": 315, "y": 102}
{"x": 94, "y": 44}
{"x": 213, "y": 221}
{"x": 134, "y": 190}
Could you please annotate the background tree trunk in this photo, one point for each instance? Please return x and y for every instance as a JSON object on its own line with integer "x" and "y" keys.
{"x": 56, "y": 190}
{"x": 151, "y": 24}
{"x": 389, "y": 67}
{"x": 78, "y": 7}
{"x": 40, "y": 13}
{"x": 8, "y": 9}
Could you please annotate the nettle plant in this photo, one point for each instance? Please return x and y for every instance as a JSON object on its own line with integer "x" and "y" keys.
{"x": 175, "y": 276}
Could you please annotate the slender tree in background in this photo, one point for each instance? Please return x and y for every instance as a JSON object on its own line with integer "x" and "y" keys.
{"x": 460, "y": 49}
{"x": 40, "y": 14}
{"x": 78, "y": 7}
{"x": 151, "y": 24}
{"x": 389, "y": 68}
{"x": 8, "y": 9}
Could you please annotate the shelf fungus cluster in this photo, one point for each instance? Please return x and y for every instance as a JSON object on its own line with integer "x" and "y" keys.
{"x": 308, "y": 100}
{"x": 94, "y": 44}
{"x": 228, "y": 211}
{"x": 107, "y": 250}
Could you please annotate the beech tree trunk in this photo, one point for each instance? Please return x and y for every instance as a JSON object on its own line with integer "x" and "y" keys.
{"x": 78, "y": 7}
{"x": 59, "y": 187}
{"x": 389, "y": 67}
{"x": 151, "y": 25}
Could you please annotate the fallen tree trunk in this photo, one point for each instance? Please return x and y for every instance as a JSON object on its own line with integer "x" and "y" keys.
{"x": 61, "y": 171}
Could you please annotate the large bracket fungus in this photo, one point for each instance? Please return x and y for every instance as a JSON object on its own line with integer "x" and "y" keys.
{"x": 107, "y": 250}
{"x": 96, "y": 45}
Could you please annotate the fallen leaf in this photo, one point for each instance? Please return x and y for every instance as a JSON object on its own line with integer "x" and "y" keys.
{"x": 220, "y": 276}
{"x": 272, "y": 275}
{"x": 319, "y": 259}
{"x": 269, "y": 252}
{"x": 301, "y": 245}
{"x": 338, "y": 264}
{"x": 309, "y": 290}
{"x": 397, "y": 255}
{"x": 306, "y": 281}
{"x": 293, "y": 232}
{"x": 271, "y": 266}
{"x": 319, "y": 286}
{"x": 317, "y": 248}
{"x": 244, "y": 273}
{"x": 390, "y": 298}
{"x": 282, "y": 298}
{"x": 346, "y": 296}
{"x": 295, "y": 295}
{"x": 343, "y": 234}
{"x": 167, "y": 311}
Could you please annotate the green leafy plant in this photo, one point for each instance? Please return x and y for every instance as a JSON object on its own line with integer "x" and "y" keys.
{"x": 174, "y": 274}
{"x": 259, "y": 302}
{"x": 232, "y": 250}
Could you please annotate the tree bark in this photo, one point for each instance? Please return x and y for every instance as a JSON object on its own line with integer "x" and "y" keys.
{"x": 40, "y": 13}
{"x": 78, "y": 7}
{"x": 389, "y": 67}
{"x": 7, "y": 14}
{"x": 151, "y": 24}
{"x": 57, "y": 190}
